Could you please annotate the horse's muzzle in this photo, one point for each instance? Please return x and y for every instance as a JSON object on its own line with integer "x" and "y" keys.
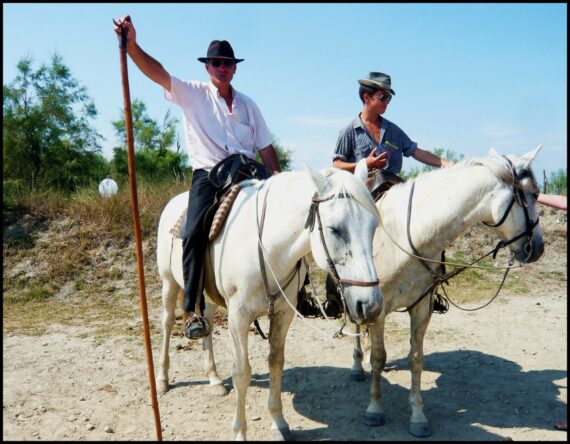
{"x": 530, "y": 252}
{"x": 366, "y": 309}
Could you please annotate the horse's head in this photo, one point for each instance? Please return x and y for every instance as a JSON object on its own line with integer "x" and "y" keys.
{"x": 514, "y": 208}
{"x": 342, "y": 221}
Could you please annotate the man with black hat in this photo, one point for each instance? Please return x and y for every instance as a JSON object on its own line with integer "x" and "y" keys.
{"x": 374, "y": 137}
{"x": 218, "y": 122}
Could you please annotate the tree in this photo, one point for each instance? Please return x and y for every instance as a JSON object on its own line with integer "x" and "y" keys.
{"x": 153, "y": 158}
{"x": 284, "y": 156}
{"x": 440, "y": 152}
{"x": 47, "y": 139}
{"x": 558, "y": 182}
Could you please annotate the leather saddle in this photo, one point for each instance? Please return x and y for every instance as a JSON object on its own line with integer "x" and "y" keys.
{"x": 225, "y": 177}
{"x": 381, "y": 182}
{"x": 234, "y": 169}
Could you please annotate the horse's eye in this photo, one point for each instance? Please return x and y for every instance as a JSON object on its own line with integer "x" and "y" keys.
{"x": 335, "y": 231}
{"x": 535, "y": 196}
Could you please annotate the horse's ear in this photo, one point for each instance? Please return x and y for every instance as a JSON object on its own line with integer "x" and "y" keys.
{"x": 493, "y": 152}
{"x": 529, "y": 157}
{"x": 361, "y": 170}
{"x": 320, "y": 181}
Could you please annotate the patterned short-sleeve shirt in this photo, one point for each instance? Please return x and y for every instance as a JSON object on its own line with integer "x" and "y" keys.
{"x": 355, "y": 143}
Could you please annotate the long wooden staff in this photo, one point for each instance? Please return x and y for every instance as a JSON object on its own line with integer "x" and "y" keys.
{"x": 137, "y": 225}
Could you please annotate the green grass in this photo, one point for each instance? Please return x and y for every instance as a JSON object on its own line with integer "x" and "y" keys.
{"x": 478, "y": 284}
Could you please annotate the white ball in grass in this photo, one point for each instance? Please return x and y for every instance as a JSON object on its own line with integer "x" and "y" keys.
{"x": 108, "y": 187}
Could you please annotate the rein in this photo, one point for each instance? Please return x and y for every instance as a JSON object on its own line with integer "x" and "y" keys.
{"x": 518, "y": 196}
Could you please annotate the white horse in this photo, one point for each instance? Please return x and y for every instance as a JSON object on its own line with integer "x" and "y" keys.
{"x": 338, "y": 204}
{"x": 497, "y": 190}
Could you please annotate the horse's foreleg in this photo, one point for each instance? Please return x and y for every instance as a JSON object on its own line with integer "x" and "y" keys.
{"x": 169, "y": 292}
{"x": 419, "y": 318}
{"x": 374, "y": 413}
{"x": 217, "y": 387}
{"x": 241, "y": 371}
{"x": 281, "y": 322}
{"x": 357, "y": 371}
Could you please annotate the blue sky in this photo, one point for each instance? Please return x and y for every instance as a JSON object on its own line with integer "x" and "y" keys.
{"x": 467, "y": 76}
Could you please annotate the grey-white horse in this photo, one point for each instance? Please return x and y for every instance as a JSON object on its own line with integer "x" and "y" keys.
{"x": 329, "y": 213}
{"x": 424, "y": 216}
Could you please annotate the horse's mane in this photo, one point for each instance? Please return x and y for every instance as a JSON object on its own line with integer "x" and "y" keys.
{"x": 341, "y": 183}
{"x": 344, "y": 183}
{"x": 497, "y": 164}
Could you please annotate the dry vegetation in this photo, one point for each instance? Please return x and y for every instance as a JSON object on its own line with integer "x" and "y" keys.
{"x": 72, "y": 308}
{"x": 72, "y": 262}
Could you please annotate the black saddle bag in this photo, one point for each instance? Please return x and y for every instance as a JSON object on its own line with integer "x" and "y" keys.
{"x": 228, "y": 172}
{"x": 382, "y": 182}
{"x": 236, "y": 168}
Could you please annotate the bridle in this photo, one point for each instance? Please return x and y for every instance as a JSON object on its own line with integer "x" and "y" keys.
{"x": 340, "y": 283}
{"x": 310, "y": 224}
{"x": 517, "y": 196}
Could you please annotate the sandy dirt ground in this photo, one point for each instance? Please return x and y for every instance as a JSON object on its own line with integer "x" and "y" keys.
{"x": 495, "y": 374}
{"x": 499, "y": 373}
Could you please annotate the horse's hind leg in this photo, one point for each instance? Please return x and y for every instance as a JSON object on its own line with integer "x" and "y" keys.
{"x": 217, "y": 387}
{"x": 374, "y": 415}
{"x": 419, "y": 317}
{"x": 281, "y": 322}
{"x": 169, "y": 292}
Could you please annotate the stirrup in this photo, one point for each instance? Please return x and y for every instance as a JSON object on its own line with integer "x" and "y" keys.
{"x": 197, "y": 327}
{"x": 440, "y": 304}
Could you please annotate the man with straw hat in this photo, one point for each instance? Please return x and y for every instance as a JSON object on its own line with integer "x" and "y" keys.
{"x": 372, "y": 136}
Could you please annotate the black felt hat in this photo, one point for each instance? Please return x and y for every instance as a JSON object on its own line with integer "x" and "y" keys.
{"x": 220, "y": 49}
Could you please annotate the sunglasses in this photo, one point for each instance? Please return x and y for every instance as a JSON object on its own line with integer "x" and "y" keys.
{"x": 384, "y": 97}
{"x": 216, "y": 63}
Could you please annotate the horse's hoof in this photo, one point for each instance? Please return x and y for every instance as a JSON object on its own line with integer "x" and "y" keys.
{"x": 162, "y": 387}
{"x": 283, "y": 434}
{"x": 420, "y": 429}
{"x": 219, "y": 390}
{"x": 374, "y": 419}
{"x": 357, "y": 376}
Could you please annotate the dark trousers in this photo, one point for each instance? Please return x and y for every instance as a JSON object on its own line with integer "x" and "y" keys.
{"x": 198, "y": 221}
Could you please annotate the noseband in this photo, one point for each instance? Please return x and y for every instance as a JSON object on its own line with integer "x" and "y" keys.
{"x": 518, "y": 196}
{"x": 310, "y": 223}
